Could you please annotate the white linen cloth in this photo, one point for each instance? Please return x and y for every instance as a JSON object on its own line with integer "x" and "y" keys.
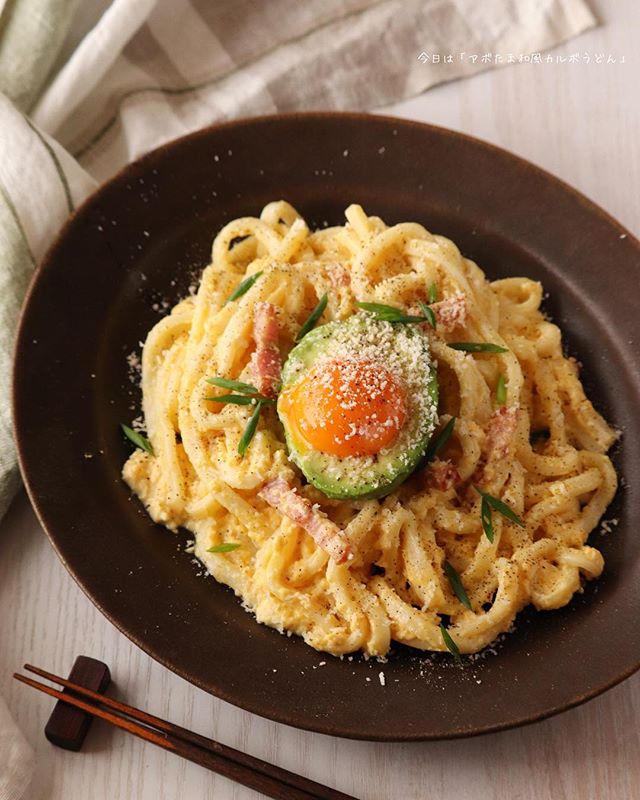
{"x": 16, "y": 758}
{"x": 148, "y": 71}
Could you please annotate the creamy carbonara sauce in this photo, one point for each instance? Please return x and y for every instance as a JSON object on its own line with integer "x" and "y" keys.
{"x": 524, "y": 433}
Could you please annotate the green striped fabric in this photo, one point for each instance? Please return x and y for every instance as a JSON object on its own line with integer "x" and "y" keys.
{"x": 31, "y": 35}
{"x": 17, "y": 262}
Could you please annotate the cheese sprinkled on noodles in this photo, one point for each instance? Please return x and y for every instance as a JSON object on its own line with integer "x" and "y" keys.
{"x": 543, "y": 453}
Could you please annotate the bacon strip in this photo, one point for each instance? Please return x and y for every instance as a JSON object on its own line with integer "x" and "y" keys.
{"x": 442, "y": 475}
{"x": 498, "y": 444}
{"x": 339, "y": 275}
{"x": 500, "y": 433}
{"x": 267, "y": 361}
{"x": 451, "y": 312}
{"x": 325, "y": 533}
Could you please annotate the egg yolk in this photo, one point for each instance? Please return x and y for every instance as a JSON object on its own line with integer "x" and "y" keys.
{"x": 346, "y": 408}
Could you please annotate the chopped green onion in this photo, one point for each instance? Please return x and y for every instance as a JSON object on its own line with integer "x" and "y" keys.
{"x": 478, "y": 347}
{"x": 227, "y": 547}
{"x": 452, "y": 647}
{"x": 250, "y": 430}
{"x": 489, "y": 503}
{"x": 433, "y": 292}
{"x": 235, "y": 386}
{"x": 485, "y": 516}
{"x": 239, "y": 399}
{"x": 384, "y": 313}
{"x": 456, "y": 584}
{"x": 138, "y": 439}
{"x": 254, "y": 397}
{"x": 313, "y": 317}
{"x": 438, "y": 442}
{"x": 501, "y": 391}
{"x": 500, "y": 507}
{"x": 243, "y": 288}
{"x": 429, "y": 314}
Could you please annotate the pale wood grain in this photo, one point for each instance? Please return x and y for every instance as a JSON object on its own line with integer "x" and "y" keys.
{"x": 581, "y": 122}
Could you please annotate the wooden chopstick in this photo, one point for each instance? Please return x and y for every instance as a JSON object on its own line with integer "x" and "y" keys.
{"x": 260, "y": 775}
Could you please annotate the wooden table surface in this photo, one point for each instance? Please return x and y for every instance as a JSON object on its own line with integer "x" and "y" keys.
{"x": 579, "y": 121}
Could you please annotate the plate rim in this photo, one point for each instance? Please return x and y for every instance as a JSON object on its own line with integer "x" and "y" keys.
{"x": 361, "y": 117}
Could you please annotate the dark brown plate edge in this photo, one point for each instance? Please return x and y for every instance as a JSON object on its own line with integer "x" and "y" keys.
{"x": 589, "y": 205}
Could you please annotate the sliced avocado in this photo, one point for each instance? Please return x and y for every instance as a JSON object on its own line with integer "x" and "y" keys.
{"x": 401, "y": 350}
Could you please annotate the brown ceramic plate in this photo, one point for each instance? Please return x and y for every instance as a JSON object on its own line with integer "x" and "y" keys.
{"x": 143, "y": 237}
